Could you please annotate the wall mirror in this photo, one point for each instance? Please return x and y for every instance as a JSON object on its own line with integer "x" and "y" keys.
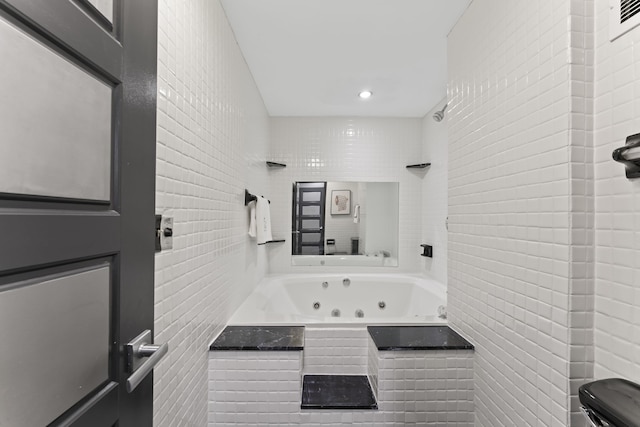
{"x": 345, "y": 223}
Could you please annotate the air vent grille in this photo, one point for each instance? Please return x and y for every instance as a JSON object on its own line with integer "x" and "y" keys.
{"x": 624, "y": 15}
{"x": 628, "y": 9}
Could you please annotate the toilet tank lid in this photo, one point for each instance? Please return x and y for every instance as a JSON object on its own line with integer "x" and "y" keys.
{"x": 615, "y": 399}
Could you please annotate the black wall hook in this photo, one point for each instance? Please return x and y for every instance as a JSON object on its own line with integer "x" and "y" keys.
{"x": 427, "y": 250}
{"x": 632, "y": 166}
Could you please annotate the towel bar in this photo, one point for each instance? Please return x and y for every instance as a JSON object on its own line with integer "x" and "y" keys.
{"x": 248, "y": 197}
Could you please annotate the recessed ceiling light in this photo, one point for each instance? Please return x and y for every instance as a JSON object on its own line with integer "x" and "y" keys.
{"x": 365, "y": 94}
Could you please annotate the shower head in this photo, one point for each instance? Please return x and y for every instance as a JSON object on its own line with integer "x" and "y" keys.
{"x": 439, "y": 115}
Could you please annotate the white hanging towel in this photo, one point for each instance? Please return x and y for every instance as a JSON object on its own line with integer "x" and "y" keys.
{"x": 356, "y": 214}
{"x": 263, "y": 221}
{"x": 252, "y": 219}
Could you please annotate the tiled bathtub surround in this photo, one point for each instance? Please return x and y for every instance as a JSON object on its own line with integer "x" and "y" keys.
{"x": 254, "y": 388}
{"x": 212, "y": 142}
{"x": 419, "y": 388}
{"x": 423, "y": 375}
{"x": 520, "y": 204}
{"x": 426, "y": 388}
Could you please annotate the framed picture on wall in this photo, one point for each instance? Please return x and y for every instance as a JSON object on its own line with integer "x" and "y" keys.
{"x": 341, "y": 202}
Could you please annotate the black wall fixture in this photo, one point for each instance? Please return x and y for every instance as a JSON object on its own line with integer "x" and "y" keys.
{"x": 419, "y": 166}
{"x": 427, "y": 250}
{"x": 632, "y": 166}
{"x": 248, "y": 197}
{"x": 276, "y": 165}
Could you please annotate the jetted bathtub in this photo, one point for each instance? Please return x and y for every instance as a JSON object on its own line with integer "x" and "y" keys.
{"x": 372, "y": 260}
{"x": 331, "y": 299}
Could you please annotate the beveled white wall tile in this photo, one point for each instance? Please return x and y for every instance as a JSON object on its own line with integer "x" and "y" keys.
{"x": 617, "y": 203}
{"x": 434, "y": 194}
{"x": 254, "y": 387}
{"x": 345, "y": 149}
{"x": 582, "y": 213}
{"x": 335, "y": 351}
{"x": 521, "y": 204}
{"x": 212, "y": 143}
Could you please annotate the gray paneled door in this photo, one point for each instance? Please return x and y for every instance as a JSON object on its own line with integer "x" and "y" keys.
{"x": 77, "y": 181}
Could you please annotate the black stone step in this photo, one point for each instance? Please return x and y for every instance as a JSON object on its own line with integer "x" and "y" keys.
{"x": 337, "y": 392}
{"x": 260, "y": 338}
{"x": 433, "y": 337}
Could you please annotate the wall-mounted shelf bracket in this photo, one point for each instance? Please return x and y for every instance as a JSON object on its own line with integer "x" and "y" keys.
{"x": 427, "y": 250}
{"x": 276, "y": 165}
{"x": 419, "y": 166}
{"x": 273, "y": 241}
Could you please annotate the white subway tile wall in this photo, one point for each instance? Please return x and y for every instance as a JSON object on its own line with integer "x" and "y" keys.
{"x": 212, "y": 143}
{"x": 519, "y": 197}
{"x": 339, "y": 351}
{"x": 617, "y": 203}
{"x": 434, "y": 194}
{"x": 345, "y": 149}
{"x": 426, "y": 388}
{"x": 254, "y": 388}
{"x": 524, "y": 80}
{"x": 372, "y": 365}
{"x": 581, "y": 302}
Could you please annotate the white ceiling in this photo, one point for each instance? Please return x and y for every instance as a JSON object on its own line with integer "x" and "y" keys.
{"x": 312, "y": 57}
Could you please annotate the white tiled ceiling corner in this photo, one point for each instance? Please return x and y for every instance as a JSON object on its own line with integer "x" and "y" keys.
{"x": 312, "y": 57}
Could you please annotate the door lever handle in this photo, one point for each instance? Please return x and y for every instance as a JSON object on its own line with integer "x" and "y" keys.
{"x": 138, "y": 349}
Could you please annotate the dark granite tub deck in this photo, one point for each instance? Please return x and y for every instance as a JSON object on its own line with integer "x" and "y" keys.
{"x": 431, "y": 337}
{"x": 260, "y": 338}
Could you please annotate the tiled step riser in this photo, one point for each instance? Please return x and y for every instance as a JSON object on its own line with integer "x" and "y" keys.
{"x": 335, "y": 351}
{"x": 254, "y": 387}
{"x": 434, "y": 383}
